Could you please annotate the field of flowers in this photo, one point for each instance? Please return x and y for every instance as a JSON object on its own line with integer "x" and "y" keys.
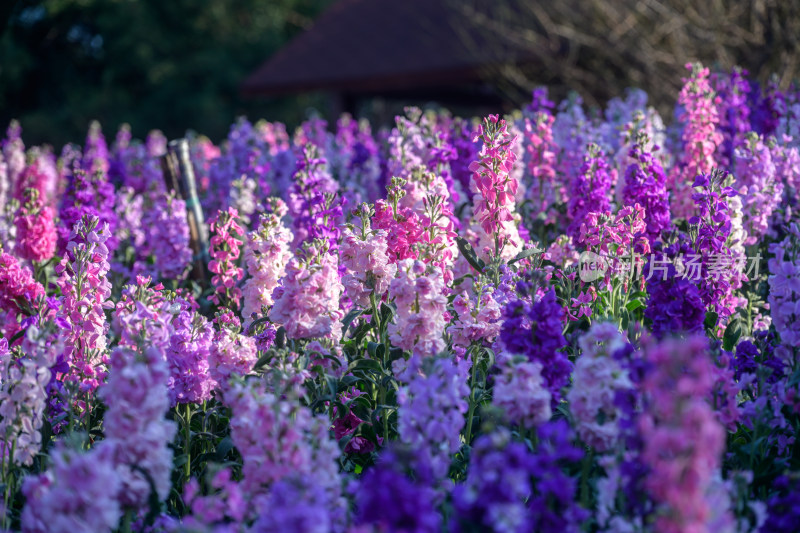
{"x": 562, "y": 320}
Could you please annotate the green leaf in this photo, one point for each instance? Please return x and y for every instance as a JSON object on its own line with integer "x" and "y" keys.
{"x": 360, "y": 410}
{"x": 633, "y": 305}
{"x": 387, "y": 311}
{"x": 395, "y": 353}
{"x": 263, "y": 360}
{"x": 380, "y": 352}
{"x": 525, "y": 254}
{"x": 348, "y": 320}
{"x": 366, "y": 430}
{"x": 365, "y": 364}
{"x": 711, "y": 319}
{"x": 469, "y": 254}
{"x": 257, "y": 322}
{"x": 17, "y": 336}
{"x": 280, "y": 337}
{"x": 341, "y": 410}
{"x": 731, "y": 335}
{"x": 224, "y": 446}
{"x": 347, "y": 381}
{"x": 153, "y": 501}
{"x": 360, "y": 331}
{"x": 372, "y": 349}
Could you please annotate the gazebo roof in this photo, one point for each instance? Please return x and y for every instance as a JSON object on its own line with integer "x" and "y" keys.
{"x": 381, "y": 45}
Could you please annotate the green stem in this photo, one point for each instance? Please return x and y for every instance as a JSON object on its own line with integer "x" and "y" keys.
{"x": 376, "y": 316}
{"x": 472, "y": 402}
{"x": 8, "y": 480}
{"x": 385, "y": 417}
{"x": 586, "y": 470}
{"x": 127, "y": 520}
{"x": 188, "y": 438}
{"x": 204, "y": 427}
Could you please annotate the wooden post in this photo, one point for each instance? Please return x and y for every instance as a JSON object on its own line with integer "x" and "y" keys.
{"x": 179, "y": 176}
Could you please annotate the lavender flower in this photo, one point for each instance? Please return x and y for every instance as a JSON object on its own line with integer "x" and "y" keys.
{"x": 79, "y": 493}
{"x": 784, "y": 297}
{"x": 188, "y": 356}
{"x": 519, "y": 390}
{"x": 431, "y": 414}
{"x": 589, "y": 191}
{"x": 168, "y": 238}
{"x": 783, "y": 511}
{"x": 508, "y": 488}
{"x": 387, "y": 499}
{"x": 315, "y": 210}
{"x": 645, "y": 184}
{"x": 596, "y": 380}
{"x": 535, "y": 331}
{"x": 22, "y": 404}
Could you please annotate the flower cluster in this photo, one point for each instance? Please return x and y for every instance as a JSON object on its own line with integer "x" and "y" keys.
{"x": 224, "y": 253}
{"x": 540, "y": 161}
{"x": 784, "y": 297}
{"x": 188, "y": 356}
{"x": 700, "y": 138}
{"x": 266, "y": 255}
{"x": 313, "y": 205}
{"x": 79, "y": 493}
{"x": 683, "y": 440}
{"x": 431, "y": 414}
{"x": 36, "y": 230}
{"x": 169, "y": 235}
{"x": 534, "y": 329}
{"x": 477, "y": 349}
{"x": 86, "y": 291}
{"x": 421, "y": 305}
{"x": 499, "y": 482}
{"x": 18, "y": 288}
{"x": 478, "y": 317}
{"x": 734, "y": 113}
{"x": 645, "y": 184}
{"x": 231, "y": 353}
{"x": 22, "y": 404}
{"x": 366, "y": 262}
{"x": 519, "y": 390}
{"x": 596, "y": 380}
{"x": 390, "y": 501}
{"x": 135, "y": 429}
{"x": 491, "y": 175}
{"x": 759, "y": 185}
{"x": 307, "y": 301}
{"x": 281, "y": 442}
{"x": 713, "y": 228}
{"x": 511, "y": 489}
{"x": 589, "y": 192}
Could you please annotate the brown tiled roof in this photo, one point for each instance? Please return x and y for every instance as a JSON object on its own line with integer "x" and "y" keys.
{"x": 377, "y": 45}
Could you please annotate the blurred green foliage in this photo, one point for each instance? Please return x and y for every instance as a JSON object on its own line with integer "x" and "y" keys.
{"x": 167, "y": 64}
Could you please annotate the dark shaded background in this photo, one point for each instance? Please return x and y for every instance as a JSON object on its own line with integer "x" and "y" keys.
{"x": 167, "y": 64}
{"x": 178, "y": 64}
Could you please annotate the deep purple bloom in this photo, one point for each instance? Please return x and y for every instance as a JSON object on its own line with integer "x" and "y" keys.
{"x": 646, "y": 184}
{"x": 510, "y": 489}
{"x": 387, "y": 499}
{"x": 535, "y": 330}
{"x": 783, "y": 511}
{"x": 675, "y": 305}
{"x": 589, "y": 192}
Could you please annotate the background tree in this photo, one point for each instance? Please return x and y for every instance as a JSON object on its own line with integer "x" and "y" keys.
{"x": 161, "y": 64}
{"x": 600, "y": 47}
